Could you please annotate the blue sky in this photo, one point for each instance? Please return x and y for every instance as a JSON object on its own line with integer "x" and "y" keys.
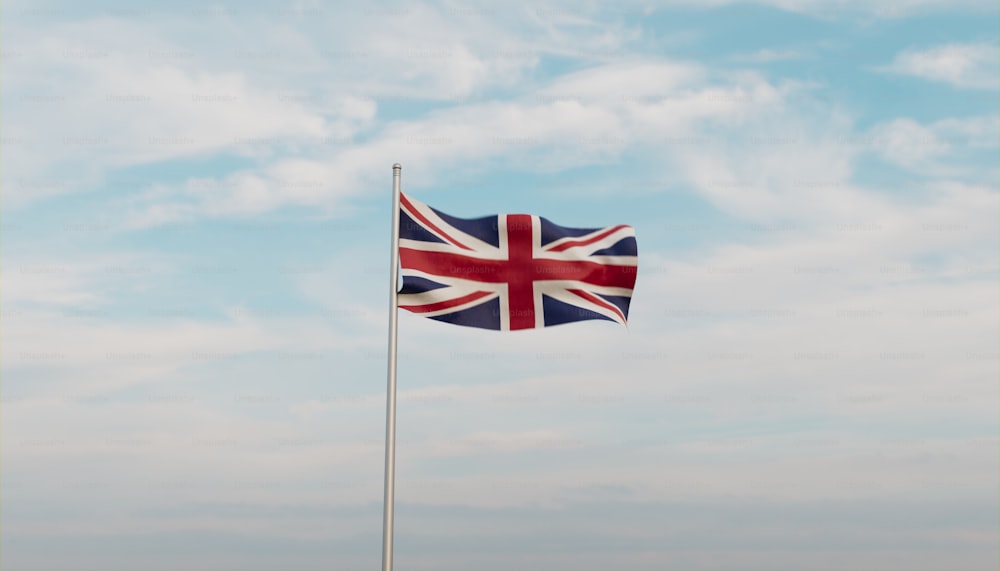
{"x": 195, "y": 242}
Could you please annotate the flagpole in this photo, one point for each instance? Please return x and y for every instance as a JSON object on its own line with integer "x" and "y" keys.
{"x": 390, "y": 397}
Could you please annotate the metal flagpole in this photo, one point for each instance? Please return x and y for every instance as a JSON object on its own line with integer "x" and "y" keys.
{"x": 390, "y": 397}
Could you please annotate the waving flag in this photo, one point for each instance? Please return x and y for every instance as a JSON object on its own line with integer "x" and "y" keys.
{"x": 512, "y": 271}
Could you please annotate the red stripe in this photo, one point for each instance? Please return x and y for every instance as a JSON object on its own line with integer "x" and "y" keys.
{"x": 597, "y": 301}
{"x": 416, "y": 214}
{"x": 520, "y": 272}
{"x": 453, "y": 265}
{"x": 574, "y": 243}
{"x": 500, "y": 271}
{"x": 445, "y": 304}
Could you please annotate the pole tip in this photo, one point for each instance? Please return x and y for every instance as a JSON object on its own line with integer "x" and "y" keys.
{"x": 397, "y": 166}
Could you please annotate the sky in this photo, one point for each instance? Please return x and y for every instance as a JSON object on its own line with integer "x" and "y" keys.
{"x": 196, "y": 206}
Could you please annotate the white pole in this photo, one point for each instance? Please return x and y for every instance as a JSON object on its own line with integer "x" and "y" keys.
{"x": 390, "y": 397}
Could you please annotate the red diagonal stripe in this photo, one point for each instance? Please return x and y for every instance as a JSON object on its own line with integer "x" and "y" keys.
{"x": 416, "y": 214}
{"x": 597, "y": 301}
{"x": 575, "y": 243}
{"x": 445, "y": 304}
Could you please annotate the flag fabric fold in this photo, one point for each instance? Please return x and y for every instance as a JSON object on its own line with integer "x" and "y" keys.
{"x": 512, "y": 271}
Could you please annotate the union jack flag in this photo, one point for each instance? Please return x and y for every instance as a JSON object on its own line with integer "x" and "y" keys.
{"x": 512, "y": 271}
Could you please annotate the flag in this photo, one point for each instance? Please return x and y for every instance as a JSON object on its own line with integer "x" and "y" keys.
{"x": 512, "y": 271}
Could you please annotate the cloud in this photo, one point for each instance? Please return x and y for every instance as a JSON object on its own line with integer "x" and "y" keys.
{"x": 587, "y": 117}
{"x": 965, "y": 66}
{"x": 82, "y": 107}
{"x": 769, "y": 55}
{"x": 971, "y": 132}
{"x": 908, "y": 143}
{"x": 876, "y": 8}
{"x": 95, "y": 96}
{"x": 946, "y": 149}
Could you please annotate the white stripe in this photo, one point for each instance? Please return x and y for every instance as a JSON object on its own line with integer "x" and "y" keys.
{"x": 505, "y": 296}
{"x": 453, "y": 309}
{"x": 467, "y": 285}
{"x": 433, "y": 296}
{"x": 577, "y": 301}
{"x": 466, "y": 239}
{"x": 584, "y": 251}
{"x": 614, "y": 237}
{"x": 536, "y": 249}
{"x": 539, "y": 308}
{"x": 504, "y": 308}
{"x": 575, "y": 255}
{"x": 491, "y": 254}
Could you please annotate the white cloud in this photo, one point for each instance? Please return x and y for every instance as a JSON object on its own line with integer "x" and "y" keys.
{"x": 906, "y": 142}
{"x": 84, "y": 107}
{"x": 769, "y": 55}
{"x": 51, "y": 283}
{"x": 970, "y": 66}
{"x": 93, "y": 96}
{"x": 970, "y": 132}
{"x": 875, "y": 8}
{"x": 947, "y": 149}
{"x": 587, "y": 117}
